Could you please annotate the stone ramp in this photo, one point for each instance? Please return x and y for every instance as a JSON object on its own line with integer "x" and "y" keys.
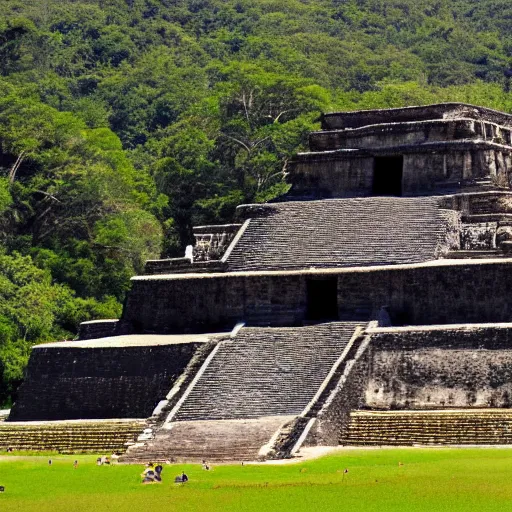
{"x": 216, "y": 441}
{"x": 266, "y": 372}
{"x": 437, "y": 427}
{"x": 70, "y": 436}
{"x": 343, "y": 233}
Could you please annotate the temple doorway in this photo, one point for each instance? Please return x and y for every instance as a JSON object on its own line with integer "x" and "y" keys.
{"x": 322, "y": 299}
{"x": 387, "y": 175}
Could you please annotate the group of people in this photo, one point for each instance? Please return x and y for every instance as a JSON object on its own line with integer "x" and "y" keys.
{"x": 152, "y": 473}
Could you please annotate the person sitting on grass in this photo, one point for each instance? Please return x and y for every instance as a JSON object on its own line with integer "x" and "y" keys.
{"x": 181, "y": 479}
{"x": 149, "y": 474}
{"x": 148, "y": 477}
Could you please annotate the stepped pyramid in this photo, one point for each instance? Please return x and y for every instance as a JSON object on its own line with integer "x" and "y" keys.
{"x": 368, "y": 306}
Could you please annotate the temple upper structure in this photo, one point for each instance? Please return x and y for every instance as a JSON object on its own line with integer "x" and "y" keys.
{"x": 406, "y": 151}
{"x": 355, "y": 199}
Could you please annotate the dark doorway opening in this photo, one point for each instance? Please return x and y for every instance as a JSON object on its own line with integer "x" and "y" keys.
{"x": 322, "y": 299}
{"x": 387, "y": 176}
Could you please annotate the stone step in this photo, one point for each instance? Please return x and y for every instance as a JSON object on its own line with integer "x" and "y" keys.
{"x": 487, "y": 217}
{"x": 341, "y": 233}
{"x": 222, "y": 440}
{"x": 478, "y": 254}
{"x": 483, "y": 426}
{"x": 73, "y": 437}
{"x": 266, "y": 372}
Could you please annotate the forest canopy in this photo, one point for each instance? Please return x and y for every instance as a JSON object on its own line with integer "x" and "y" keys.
{"x": 125, "y": 122}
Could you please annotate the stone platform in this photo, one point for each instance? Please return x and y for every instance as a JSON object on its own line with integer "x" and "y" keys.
{"x": 113, "y": 377}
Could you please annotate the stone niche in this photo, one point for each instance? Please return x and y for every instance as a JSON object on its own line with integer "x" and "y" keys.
{"x": 451, "y": 368}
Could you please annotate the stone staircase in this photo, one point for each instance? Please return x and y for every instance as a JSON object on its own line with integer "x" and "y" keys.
{"x": 70, "y": 436}
{"x": 266, "y": 372}
{"x": 254, "y": 384}
{"x": 436, "y": 427}
{"x": 216, "y": 441}
{"x": 342, "y": 233}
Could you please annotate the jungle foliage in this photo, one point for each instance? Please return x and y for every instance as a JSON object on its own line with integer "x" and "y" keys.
{"x": 125, "y": 122}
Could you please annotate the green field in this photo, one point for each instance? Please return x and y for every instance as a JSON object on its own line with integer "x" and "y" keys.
{"x": 426, "y": 480}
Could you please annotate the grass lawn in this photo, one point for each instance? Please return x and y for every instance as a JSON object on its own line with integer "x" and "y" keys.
{"x": 429, "y": 480}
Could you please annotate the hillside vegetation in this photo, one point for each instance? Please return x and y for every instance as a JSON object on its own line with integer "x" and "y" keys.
{"x": 125, "y": 122}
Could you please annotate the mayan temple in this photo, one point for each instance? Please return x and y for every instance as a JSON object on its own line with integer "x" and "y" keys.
{"x": 367, "y": 307}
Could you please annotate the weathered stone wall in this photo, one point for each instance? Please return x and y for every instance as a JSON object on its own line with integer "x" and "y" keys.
{"x": 97, "y": 329}
{"x": 214, "y": 302}
{"x": 87, "y": 383}
{"x": 168, "y": 265}
{"x": 349, "y": 394}
{"x": 473, "y": 291}
{"x": 436, "y": 294}
{"x": 428, "y": 172}
{"x": 464, "y": 367}
{"x": 427, "y": 167}
{"x": 319, "y": 176}
{"x": 356, "y": 119}
{"x": 400, "y": 134}
{"x": 212, "y": 241}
